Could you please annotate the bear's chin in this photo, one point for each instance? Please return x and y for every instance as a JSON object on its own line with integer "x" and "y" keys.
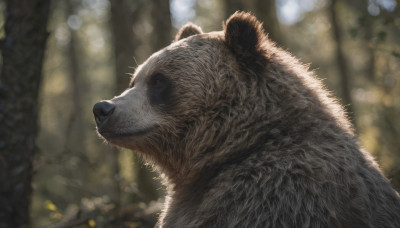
{"x": 124, "y": 141}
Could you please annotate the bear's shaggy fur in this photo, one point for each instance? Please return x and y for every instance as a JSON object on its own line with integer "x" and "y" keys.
{"x": 245, "y": 136}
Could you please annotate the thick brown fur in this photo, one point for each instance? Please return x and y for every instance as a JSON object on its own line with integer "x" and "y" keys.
{"x": 249, "y": 137}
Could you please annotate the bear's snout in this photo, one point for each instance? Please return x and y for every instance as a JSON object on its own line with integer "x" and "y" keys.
{"x": 102, "y": 110}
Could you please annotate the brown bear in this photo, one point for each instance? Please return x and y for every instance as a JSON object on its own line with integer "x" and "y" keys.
{"x": 245, "y": 135}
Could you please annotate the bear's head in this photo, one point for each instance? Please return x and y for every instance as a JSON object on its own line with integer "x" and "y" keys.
{"x": 211, "y": 98}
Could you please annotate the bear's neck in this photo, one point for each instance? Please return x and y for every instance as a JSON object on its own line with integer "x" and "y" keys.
{"x": 210, "y": 152}
{"x": 205, "y": 154}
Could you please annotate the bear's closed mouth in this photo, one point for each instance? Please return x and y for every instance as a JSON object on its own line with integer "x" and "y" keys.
{"x": 114, "y": 135}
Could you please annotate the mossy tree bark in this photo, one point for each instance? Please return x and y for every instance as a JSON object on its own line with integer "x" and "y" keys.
{"x": 22, "y": 53}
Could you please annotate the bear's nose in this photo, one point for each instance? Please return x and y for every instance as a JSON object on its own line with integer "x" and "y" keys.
{"x": 102, "y": 110}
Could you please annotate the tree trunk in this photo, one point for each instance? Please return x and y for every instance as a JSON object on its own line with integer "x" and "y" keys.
{"x": 265, "y": 11}
{"x": 123, "y": 17}
{"x": 78, "y": 138}
{"x": 22, "y": 52}
{"x": 124, "y": 47}
{"x": 231, "y": 6}
{"x": 345, "y": 79}
{"x": 162, "y": 26}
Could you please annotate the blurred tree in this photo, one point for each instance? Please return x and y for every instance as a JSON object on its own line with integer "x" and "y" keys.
{"x": 374, "y": 28}
{"x": 365, "y": 22}
{"x": 122, "y": 19}
{"x": 265, "y": 10}
{"x": 124, "y": 15}
{"x": 344, "y": 75}
{"x": 76, "y": 138}
{"x": 162, "y": 26}
{"x": 22, "y": 52}
{"x": 231, "y": 6}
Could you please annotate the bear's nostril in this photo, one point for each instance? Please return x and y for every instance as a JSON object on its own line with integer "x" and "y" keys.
{"x": 102, "y": 110}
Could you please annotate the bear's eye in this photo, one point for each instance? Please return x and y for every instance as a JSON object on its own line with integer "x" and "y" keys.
{"x": 158, "y": 89}
{"x": 157, "y": 80}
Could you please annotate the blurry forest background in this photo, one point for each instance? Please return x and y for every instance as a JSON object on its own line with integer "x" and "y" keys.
{"x": 92, "y": 46}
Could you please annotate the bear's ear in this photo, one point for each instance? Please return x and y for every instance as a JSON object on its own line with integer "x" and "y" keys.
{"x": 244, "y": 35}
{"x": 187, "y": 30}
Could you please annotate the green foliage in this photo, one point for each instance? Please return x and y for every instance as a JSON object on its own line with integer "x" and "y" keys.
{"x": 396, "y": 54}
{"x": 381, "y": 36}
{"x": 354, "y": 32}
